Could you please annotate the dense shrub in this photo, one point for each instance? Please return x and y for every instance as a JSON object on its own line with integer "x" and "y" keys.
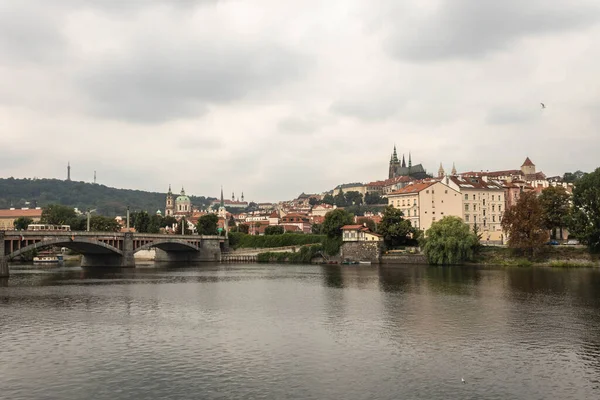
{"x": 304, "y": 256}
{"x": 242, "y": 240}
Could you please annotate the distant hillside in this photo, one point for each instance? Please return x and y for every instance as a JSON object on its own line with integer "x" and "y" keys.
{"x": 107, "y": 201}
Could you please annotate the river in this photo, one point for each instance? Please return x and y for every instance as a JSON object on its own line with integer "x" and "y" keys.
{"x": 300, "y": 332}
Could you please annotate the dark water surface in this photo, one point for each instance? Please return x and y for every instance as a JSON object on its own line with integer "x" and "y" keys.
{"x": 300, "y": 332}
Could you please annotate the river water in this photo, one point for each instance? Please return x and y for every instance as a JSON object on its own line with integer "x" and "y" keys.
{"x": 300, "y": 332}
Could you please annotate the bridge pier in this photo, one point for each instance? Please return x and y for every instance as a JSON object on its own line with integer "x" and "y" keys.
{"x": 3, "y": 258}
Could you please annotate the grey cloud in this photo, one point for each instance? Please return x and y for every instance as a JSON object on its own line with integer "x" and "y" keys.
{"x": 474, "y": 28}
{"x": 163, "y": 81}
{"x": 367, "y": 109}
{"x": 504, "y": 116}
{"x": 29, "y": 34}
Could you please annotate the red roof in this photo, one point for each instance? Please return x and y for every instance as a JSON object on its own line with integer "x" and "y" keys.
{"x": 30, "y": 212}
{"x": 528, "y": 163}
{"x": 351, "y": 227}
{"x": 414, "y": 188}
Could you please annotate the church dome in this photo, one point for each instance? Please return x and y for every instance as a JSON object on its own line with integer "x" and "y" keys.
{"x": 182, "y": 197}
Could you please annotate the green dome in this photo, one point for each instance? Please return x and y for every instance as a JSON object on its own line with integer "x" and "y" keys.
{"x": 182, "y": 199}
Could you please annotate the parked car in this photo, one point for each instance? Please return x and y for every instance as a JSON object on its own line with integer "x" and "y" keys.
{"x": 572, "y": 242}
{"x": 552, "y": 243}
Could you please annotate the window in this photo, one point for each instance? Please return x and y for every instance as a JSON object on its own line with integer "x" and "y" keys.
{"x": 466, "y": 197}
{"x": 493, "y": 207}
{"x": 484, "y": 213}
{"x": 499, "y": 208}
{"x": 492, "y": 197}
{"x": 473, "y": 197}
{"x": 432, "y": 191}
{"x": 433, "y": 219}
{"x": 484, "y": 202}
{"x": 427, "y": 191}
{"x": 484, "y": 222}
{"x": 415, "y": 202}
{"x": 493, "y": 218}
{"x": 445, "y": 192}
{"x": 415, "y": 213}
{"x": 466, "y": 207}
{"x": 466, "y": 217}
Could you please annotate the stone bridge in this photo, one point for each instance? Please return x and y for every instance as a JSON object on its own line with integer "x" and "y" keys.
{"x": 114, "y": 249}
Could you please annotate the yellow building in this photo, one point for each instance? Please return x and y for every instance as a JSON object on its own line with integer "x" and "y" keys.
{"x": 8, "y": 217}
{"x": 426, "y": 202}
{"x": 483, "y": 205}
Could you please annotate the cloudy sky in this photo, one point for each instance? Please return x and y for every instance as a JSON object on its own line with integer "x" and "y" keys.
{"x": 277, "y": 97}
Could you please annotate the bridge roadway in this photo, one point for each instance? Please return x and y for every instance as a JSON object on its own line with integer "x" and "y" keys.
{"x": 113, "y": 249}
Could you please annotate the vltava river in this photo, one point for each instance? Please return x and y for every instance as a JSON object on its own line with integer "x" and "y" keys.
{"x": 300, "y": 332}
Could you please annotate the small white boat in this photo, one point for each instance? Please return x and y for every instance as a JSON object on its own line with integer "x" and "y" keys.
{"x": 365, "y": 262}
{"x": 48, "y": 259}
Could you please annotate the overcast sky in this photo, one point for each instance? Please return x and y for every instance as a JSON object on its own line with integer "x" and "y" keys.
{"x": 279, "y": 97}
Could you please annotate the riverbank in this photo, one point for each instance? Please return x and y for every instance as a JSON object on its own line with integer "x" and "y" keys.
{"x": 551, "y": 256}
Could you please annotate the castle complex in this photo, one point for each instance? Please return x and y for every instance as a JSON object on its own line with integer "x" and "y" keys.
{"x": 398, "y": 168}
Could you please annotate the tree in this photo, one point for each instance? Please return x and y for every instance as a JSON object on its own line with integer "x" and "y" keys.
{"x": 374, "y": 198}
{"x": 353, "y": 198}
{"x": 313, "y": 201}
{"x": 339, "y": 199}
{"x": 155, "y": 223}
{"x": 22, "y": 223}
{"x": 99, "y": 223}
{"x": 274, "y": 230}
{"x": 141, "y": 221}
{"x": 334, "y": 220}
{"x": 56, "y": 214}
{"x": 168, "y": 221}
{"x": 317, "y": 229}
{"x": 449, "y": 241}
{"x": 556, "y": 207}
{"x": 207, "y": 224}
{"x": 368, "y": 222}
{"x": 585, "y": 224}
{"x": 231, "y": 222}
{"x": 243, "y": 228}
{"x": 395, "y": 230}
{"x": 572, "y": 177}
{"x": 524, "y": 224}
{"x": 328, "y": 199}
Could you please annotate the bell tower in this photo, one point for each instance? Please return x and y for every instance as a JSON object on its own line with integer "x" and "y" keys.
{"x": 170, "y": 205}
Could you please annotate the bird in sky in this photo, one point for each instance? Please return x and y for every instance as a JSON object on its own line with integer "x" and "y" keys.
{"x": 543, "y": 105}
{"x": 463, "y": 380}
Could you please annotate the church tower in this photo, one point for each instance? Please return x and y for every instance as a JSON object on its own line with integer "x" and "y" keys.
{"x": 222, "y": 211}
{"x": 454, "y": 170}
{"x": 170, "y": 205}
{"x": 394, "y": 164}
{"x": 441, "y": 171}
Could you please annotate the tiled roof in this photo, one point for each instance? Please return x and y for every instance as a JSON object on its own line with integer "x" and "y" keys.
{"x": 30, "y": 212}
{"x": 351, "y": 227}
{"x": 528, "y": 163}
{"x": 493, "y": 174}
{"x": 414, "y": 188}
{"x": 475, "y": 183}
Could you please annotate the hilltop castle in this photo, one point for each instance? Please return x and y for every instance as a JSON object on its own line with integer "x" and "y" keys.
{"x": 398, "y": 168}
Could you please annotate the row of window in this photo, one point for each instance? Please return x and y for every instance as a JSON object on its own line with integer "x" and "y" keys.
{"x": 475, "y": 208}
{"x": 467, "y": 218}
{"x": 494, "y": 196}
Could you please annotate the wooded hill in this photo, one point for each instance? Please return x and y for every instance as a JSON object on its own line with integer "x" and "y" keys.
{"x": 106, "y": 200}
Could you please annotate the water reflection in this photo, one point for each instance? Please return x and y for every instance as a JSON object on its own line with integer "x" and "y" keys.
{"x": 300, "y": 332}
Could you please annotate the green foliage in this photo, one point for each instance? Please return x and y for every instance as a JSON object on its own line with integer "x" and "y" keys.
{"x": 141, "y": 221}
{"x": 56, "y": 214}
{"x": 274, "y": 230}
{"x": 353, "y": 198}
{"x": 360, "y": 210}
{"x": 22, "y": 223}
{"x": 331, "y": 245}
{"x": 396, "y": 230}
{"x": 313, "y": 201}
{"x": 368, "y": 222}
{"x": 328, "y": 199}
{"x": 556, "y": 207}
{"x": 524, "y": 224}
{"x": 374, "y": 198}
{"x": 99, "y": 223}
{"x": 572, "y": 177}
{"x": 186, "y": 229}
{"x": 449, "y": 241}
{"x": 242, "y": 240}
{"x": 207, "y": 224}
{"x": 339, "y": 199}
{"x": 317, "y": 229}
{"x": 334, "y": 220}
{"x": 585, "y": 224}
{"x": 107, "y": 201}
{"x": 304, "y": 256}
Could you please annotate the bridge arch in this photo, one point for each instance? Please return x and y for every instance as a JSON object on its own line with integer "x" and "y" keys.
{"x": 169, "y": 245}
{"x": 79, "y": 244}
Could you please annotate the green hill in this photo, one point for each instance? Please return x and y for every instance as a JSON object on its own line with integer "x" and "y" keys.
{"x": 106, "y": 200}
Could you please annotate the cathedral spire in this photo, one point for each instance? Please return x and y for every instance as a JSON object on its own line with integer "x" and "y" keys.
{"x": 169, "y": 192}
{"x": 395, "y": 155}
{"x": 441, "y": 171}
{"x": 453, "y": 169}
{"x": 242, "y": 196}
{"x": 409, "y": 160}
{"x": 403, "y": 162}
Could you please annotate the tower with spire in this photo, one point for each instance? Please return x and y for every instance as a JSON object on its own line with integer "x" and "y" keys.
{"x": 68, "y": 170}
{"x": 222, "y": 211}
{"x": 401, "y": 168}
{"x": 454, "y": 170}
{"x": 441, "y": 171}
{"x": 170, "y": 207}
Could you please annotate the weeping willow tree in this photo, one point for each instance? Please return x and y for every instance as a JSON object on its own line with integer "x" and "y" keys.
{"x": 449, "y": 242}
